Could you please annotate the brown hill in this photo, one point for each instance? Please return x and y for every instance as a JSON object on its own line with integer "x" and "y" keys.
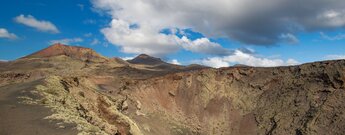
{"x": 75, "y": 52}
{"x": 146, "y": 60}
{"x": 104, "y": 98}
{"x": 240, "y": 65}
{"x": 158, "y": 64}
{"x": 119, "y": 60}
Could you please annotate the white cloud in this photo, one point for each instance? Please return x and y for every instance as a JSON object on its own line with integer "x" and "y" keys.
{"x": 289, "y": 38}
{"x": 67, "y": 41}
{"x": 204, "y": 45}
{"x": 127, "y": 58}
{"x": 291, "y": 62}
{"x": 148, "y": 40}
{"x": 246, "y": 21}
{"x": 332, "y": 18}
{"x": 147, "y": 37}
{"x": 95, "y": 41}
{"x": 334, "y": 57}
{"x": 40, "y": 25}
{"x": 337, "y": 37}
{"x": 140, "y": 40}
{"x": 215, "y": 62}
{"x": 175, "y": 61}
{"x": 247, "y": 59}
{"x": 5, "y": 34}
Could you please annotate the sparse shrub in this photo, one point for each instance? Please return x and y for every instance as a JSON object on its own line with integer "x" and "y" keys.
{"x": 44, "y": 101}
{"x": 82, "y": 94}
{"x": 52, "y": 92}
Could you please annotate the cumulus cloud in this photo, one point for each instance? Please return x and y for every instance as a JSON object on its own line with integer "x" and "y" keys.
{"x": 238, "y": 57}
{"x": 204, "y": 45}
{"x": 215, "y": 62}
{"x": 40, "y": 25}
{"x": 175, "y": 61}
{"x": 148, "y": 40}
{"x": 67, "y": 41}
{"x": 332, "y": 18}
{"x": 291, "y": 62}
{"x": 140, "y": 40}
{"x": 127, "y": 58}
{"x": 246, "y": 21}
{"x": 5, "y": 34}
{"x": 146, "y": 37}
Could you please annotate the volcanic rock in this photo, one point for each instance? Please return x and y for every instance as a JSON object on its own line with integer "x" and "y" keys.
{"x": 61, "y": 87}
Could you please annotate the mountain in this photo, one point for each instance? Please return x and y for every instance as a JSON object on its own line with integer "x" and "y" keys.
{"x": 158, "y": 64}
{"x": 240, "y": 65}
{"x": 75, "y": 52}
{"x": 146, "y": 60}
{"x": 196, "y": 66}
{"x": 58, "y": 91}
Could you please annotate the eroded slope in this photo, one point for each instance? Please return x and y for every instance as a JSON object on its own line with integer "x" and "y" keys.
{"x": 116, "y": 97}
{"x": 306, "y": 99}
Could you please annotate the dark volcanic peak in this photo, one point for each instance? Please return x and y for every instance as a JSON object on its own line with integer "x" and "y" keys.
{"x": 146, "y": 59}
{"x": 197, "y": 66}
{"x": 70, "y": 51}
{"x": 240, "y": 65}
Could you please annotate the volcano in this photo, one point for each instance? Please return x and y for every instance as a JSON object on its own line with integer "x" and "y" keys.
{"x": 73, "y": 90}
{"x": 59, "y": 49}
{"x": 146, "y": 59}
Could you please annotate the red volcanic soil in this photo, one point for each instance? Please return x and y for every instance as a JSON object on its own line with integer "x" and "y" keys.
{"x": 61, "y": 49}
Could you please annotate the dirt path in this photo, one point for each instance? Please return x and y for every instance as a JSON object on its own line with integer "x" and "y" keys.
{"x": 22, "y": 119}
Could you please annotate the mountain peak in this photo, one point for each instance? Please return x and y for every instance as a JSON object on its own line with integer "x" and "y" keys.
{"x": 66, "y": 47}
{"x": 58, "y": 44}
{"x": 58, "y": 49}
{"x": 146, "y": 59}
{"x": 144, "y": 56}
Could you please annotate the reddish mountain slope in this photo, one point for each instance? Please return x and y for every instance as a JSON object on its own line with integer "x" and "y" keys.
{"x": 70, "y": 51}
{"x": 158, "y": 98}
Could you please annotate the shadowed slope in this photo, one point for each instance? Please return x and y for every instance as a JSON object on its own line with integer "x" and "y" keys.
{"x": 146, "y": 59}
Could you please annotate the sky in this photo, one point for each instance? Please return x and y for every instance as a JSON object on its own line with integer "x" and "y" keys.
{"x": 216, "y": 33}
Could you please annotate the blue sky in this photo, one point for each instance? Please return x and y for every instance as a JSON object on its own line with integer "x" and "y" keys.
{"x": 177, "y": 30}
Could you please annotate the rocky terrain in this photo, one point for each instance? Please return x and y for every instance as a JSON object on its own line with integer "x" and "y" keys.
{"x": 73, "y": 90}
